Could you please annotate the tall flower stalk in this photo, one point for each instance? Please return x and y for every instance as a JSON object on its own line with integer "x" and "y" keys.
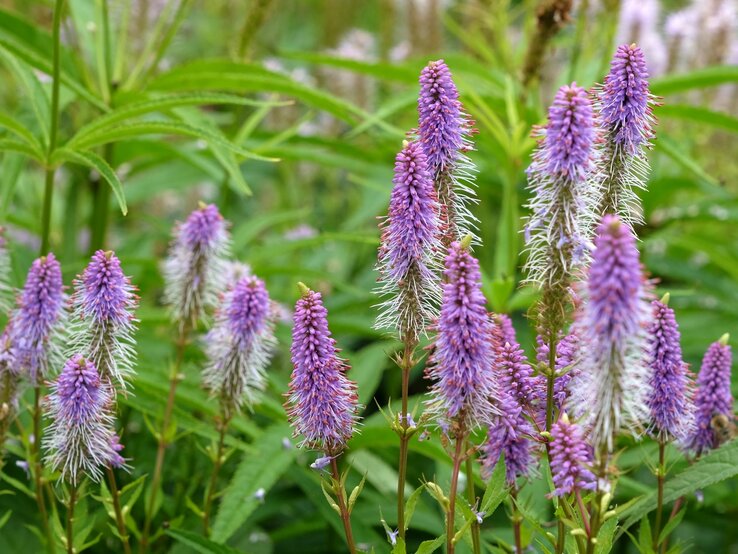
{"x": 562, "y": 205}
{"x": 625, "y": 107}
{"x": 194, "y": 275}
{"x": 463, "y": 391}
{"x": 408, "y": 266}
{"x": 444, "y": 132}
{"x": 238, "y": 348}
{"x": 321, "y": 402}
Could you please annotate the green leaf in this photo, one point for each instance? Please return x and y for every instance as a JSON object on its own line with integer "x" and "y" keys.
{"x": 19, "y": 129}
{"x": 10, "y": 145}
{"x": 426, "y": 547}
{"x": 700, "y": 115}
{"x": 198, "y": 543}
{"x": 718, "y": 465}
{"x": 672, "y": 524}
{"x": 94, "y": 161}
{"x": 258, "y": 469}
{"x": 707, "y": 77}
{"x": 496, "y": 489}
{"x": 707, "y": 182}
{"x": 645, "y": 536}
{"x": 410, "y": 505}
{"x": 606, "y": 536}
{"x": 383, "y": 71}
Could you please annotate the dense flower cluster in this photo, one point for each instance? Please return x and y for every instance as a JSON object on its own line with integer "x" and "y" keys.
{"x": 410, "y": 248}
{"x": 571, "y": 459}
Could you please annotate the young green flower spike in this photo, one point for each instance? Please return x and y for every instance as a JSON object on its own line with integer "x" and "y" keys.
{"x": 195, "y": 270}
{"x": 625, "y": 107}
{"x": 103, "y": 324}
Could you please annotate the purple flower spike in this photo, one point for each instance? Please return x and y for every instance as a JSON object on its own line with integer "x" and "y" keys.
{"x": 408, "y": 255}
{"x": 322, "y": 402}
{"x": 503, "y": 331}
{"x": 38, "y": 321}
{"x": 514, "y": 374}
{"x": 80, "y": 439}
{"x": 104, "y": 302}
{"x": 626, "y": 110}
{"x": 512, "y": 441}
{"x": 443, "y": 131}
{"x": 669, "y": 395}
{"x": 713, "y": 398}
{"x": 611, "y": 389}
{"x": 240, "y": 345}
{"x": 625, "y": 105}
{"x": 571, "y": 459}
{"x": 116, "y": 460}
{"x": 563, "y": 202}
{"x": 195, "y": 271}
{"x": 459, "y": 366}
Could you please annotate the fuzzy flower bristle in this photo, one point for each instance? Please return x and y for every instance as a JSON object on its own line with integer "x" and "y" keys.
{"x": 625, "y": 107}
{"x": 38, "y": 321}
{"x": 669, "y": 388}
{"x": 408, "y": 256}
{"x": 444, "y": 131}
{"x": 80, "y": 441}
{"x": 713, "y": 398}
{"x": 571, "y": 459}
{"x": 463, "y": 386}
{"x": 562, "y": 202}
{"x": 611, "y": 388}
{"x": 103, "y": 324}
{"x": 195, "y": 271}
{"x": 322, "y": 404}
{"x": 240, "y": 345}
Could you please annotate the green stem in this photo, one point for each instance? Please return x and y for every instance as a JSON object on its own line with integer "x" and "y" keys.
{"x": 53, "y": 128}
{"x": 516, "y": 521}
{"x": 578, "y": 38}
{"x": 660, "y": 478}
{"x": 217, "y": 463}
{"x": 38, "y": 469}
{"x": 451, "y": 515}
{"x": 581, "y": 545}
{"x": 406, "y": 366}
{"x": 119, "y": 518}
{"x": 341, "y": 497}
{"x": 472, "y": 499}
{"x": 174, "y": 379}
{"x": 70, "y": 519}
{"x": 550, "y": 379}
{"x": 596, "y": 517}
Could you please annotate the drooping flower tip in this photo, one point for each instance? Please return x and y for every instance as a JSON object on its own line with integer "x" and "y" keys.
{"x": 322, "y": 403}
{"x": 408, "y": 255}
{"x": 626, "y": 102}
{"x": 37, "y": 322}
{"x": 462, "y": 356}
{"x": 240, "y": 345}
{"x": 713, "y": 400}
{"x": 669, "y": 388}
{"x": 571, "y": 459}
{"x": 570, "y": 133}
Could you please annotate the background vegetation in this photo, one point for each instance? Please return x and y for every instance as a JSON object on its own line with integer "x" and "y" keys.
{"x": 287, "y": 115}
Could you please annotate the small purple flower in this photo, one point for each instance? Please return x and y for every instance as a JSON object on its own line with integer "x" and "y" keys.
{"x": 104, "y": 302}
{"x": 562, "y": 203}
{"x": 392, "y": 536}
{"x": 514, "y": 374}
{"x": 571, "y": 458}
{"x": 240, "y": 345}
{"x": 80, "y": 439}
{"x": 321, "y": 462}
{"x": 611, "y": 389}
{"x": 408, "y": 255}
{"x": 116, "y": 460}
{"x": 713, "y": 397}
{"x": 669, "y": 395}
{"x": 322, "y": 402}
{"x": 38, "y": 321}
{"x": 195, "y": 271}
{"x": 443, "y": 131}
{"x": 626, "y": 110}
{"x": 459, "y": 366}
